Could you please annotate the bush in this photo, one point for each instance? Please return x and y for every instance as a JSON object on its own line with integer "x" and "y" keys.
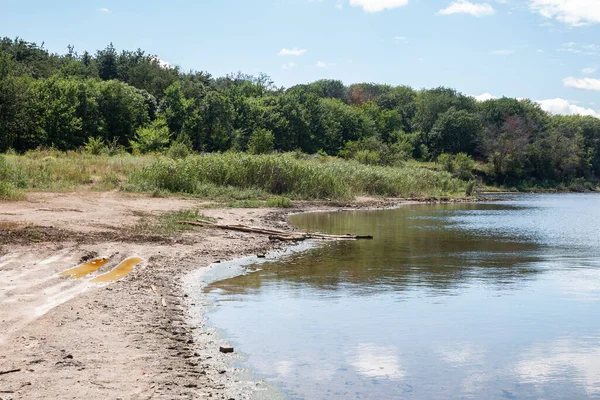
{"x": 368, "y": 157}
{"x": 179, "y": 150}
{"x": 463, "y": 166}
{"x": 460, "y": 165}
{"x": 94, "y": 146}
{"x": 154, "y": 137}
{"x": 447, "y": 162}
{"x": 8, "y": 192}
{"x": 279, "y": 202}
{"x": 262, "y": 141}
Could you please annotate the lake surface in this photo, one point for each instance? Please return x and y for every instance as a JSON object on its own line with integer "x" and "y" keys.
{"x": 491, "y": 300}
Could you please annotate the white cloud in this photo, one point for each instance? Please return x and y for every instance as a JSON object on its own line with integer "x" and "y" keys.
{"x": 162, "y": 63}
{"x": 507, "y": 52}
{"x": 570, "y": 12}
{"x": 582, "y": 83}
{"x": 484, "y": 97}
{"x": 378, "y": 5}
{"x": 292, "y": 52}
{"x": 564, "y": 107}
{"x": 104, "y": 10}
{"x": 288, "y": 66}
{"x": 556, "y": 106}
{"x": 466, "y": 7}
{"x": 320, "y": 64}
{"x": 589, "y": 70}
{"x": 400, "y": 38}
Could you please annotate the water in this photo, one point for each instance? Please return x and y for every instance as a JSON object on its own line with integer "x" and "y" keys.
{"x": 86, "y": 269}
{"x": 119, "y": 272}
{"x": 497, "y": 300}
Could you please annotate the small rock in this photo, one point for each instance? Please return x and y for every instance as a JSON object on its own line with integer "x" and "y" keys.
{"x": 226, "y": 349}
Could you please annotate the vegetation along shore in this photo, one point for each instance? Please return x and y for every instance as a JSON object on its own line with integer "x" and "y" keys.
{"x": 124, "y": 119}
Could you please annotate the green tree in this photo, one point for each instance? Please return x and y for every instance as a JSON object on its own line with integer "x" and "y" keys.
{"x": 435, "y": 102}
{"x": 455, "y": 131}
{"x": 123, "y": 109}
{"x": 107, "y": 63}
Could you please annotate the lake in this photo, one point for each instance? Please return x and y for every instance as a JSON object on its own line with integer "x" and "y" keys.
{"x": 485, "y": 300}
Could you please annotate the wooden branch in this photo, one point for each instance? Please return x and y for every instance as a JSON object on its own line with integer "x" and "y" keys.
{"x": 277, "y": 234}
{"x": 10, "y": 371}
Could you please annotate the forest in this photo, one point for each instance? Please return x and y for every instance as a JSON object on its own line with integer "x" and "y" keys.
{"x": 130, "y": 101}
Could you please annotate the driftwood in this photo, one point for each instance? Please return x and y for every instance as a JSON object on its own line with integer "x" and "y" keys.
{"x": 275, "y": 234}
{"x": 9, "y": 371}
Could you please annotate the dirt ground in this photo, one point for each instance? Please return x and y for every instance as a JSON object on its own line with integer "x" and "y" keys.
{"x": 75, "y": 339}
{"x": 131, "y": 339}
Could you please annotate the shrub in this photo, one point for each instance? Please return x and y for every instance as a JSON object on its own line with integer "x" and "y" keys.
{"x": 262, "y": 141}
{"x": 179, "y": 150}
{"x": 154, "y": 137}
{"x": 94, "y": 146}
{"x": 8, "y": 192}
{"x": 463, "y": 166}
{"x": 280, "y": 202}
{"x": 460, "y": 165}
{"x": 446, "y": 161}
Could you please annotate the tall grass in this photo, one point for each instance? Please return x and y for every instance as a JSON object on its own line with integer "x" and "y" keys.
{"x": 295, "y": 177}
{"x": 229, "y": 176}
{"x": 58, "y": 171}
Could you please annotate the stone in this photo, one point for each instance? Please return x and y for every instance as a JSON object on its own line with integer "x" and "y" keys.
{"x": 226, "y": 349}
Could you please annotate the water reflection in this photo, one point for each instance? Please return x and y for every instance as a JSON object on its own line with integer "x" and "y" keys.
{"x": 375, "y": 361}
{"x": 414, "y": 246}
{"x": 449, "y": 301}
{"x": 562, "y": 362}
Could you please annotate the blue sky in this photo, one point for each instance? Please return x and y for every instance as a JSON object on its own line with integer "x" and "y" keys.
{"x": 546, "y": 50}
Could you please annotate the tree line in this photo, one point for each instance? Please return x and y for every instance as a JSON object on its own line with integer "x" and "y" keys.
{"x": 132, "y": 100}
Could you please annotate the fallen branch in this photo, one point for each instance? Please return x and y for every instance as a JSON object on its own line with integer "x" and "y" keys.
{"x": 10, "y": 371}
{"x": 277, "y": 234}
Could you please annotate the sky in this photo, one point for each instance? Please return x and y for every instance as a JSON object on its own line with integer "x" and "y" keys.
{"x": 545, "y": 50}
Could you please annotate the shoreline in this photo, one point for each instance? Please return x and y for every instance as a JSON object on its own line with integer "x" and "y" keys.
{"x": 135, "y": 338}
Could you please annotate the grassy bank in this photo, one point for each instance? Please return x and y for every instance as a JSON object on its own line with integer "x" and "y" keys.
{"x": 228, "y": 176}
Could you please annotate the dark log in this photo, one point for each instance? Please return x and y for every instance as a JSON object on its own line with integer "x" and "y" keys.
{"x": 277, "y": 234}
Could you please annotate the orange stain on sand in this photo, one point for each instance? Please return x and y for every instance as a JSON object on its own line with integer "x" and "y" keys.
{"x": 86, "y": 269}
{"x": 119, "y": 272}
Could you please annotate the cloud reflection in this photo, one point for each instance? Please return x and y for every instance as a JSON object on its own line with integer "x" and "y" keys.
{"x": 376, "y": 361}
{"x": 562, "y": 360}
{"x": 461, "y": 354}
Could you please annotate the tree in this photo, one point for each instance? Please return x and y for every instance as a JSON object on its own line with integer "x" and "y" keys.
{"x": 123, "y": 109}
{"x": 455, "y": 131}
{"x": 432, "y": 103}
{"x": 107, "y": 63}
{"x": 58, "y": 100}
